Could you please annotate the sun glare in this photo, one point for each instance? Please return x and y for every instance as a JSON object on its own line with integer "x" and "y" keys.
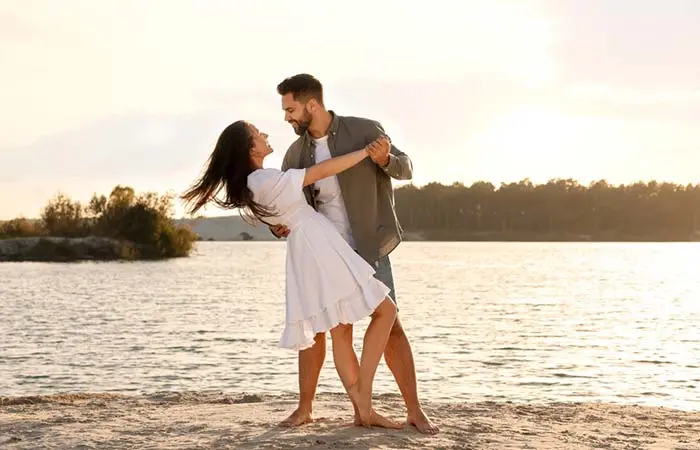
{"x": 529, "y": 140}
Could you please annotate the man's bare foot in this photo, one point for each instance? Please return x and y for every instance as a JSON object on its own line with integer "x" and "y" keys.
{"x": 377, "y": 420}
{"x": 364, "y": 404}
{"x": 421, "y": 421}
{"x": 297, "y": 418}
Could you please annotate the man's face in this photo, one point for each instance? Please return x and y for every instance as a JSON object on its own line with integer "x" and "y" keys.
{"x": 296, "y": 113}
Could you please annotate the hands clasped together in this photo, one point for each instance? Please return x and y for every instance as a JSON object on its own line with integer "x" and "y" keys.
{"x": 378, "y": 151}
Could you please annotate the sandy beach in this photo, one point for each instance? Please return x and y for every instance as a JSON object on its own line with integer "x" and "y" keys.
{"x": 218, "y": 421}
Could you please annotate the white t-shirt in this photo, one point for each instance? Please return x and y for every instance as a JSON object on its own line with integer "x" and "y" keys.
{"x": 329, "y": 199}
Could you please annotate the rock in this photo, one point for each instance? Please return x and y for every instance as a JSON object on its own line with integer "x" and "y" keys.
{"x": 62, "y": 249}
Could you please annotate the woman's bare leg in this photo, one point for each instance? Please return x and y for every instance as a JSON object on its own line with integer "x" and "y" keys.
{"x": 373, "y": 347}
{"x": 348, "y": 369}
{"x": 344, "y": 357}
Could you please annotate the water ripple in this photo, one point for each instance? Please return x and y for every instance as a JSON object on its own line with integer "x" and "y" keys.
{"x": 487, "y": 321}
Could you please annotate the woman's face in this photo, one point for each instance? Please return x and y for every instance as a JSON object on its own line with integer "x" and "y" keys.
{"x": 261, "y": 148}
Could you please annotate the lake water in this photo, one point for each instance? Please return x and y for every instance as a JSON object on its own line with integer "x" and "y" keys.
{"x": 530, "y": 322}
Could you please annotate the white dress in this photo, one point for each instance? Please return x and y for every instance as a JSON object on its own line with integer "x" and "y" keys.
{"x": 327, "y": 282}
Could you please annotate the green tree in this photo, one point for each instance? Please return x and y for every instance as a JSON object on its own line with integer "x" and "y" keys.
{"x": 558, "y": 209}
{"x": 20, "y": 227}
{"x": 143, "y": 223}
{"x": 64, "y": 217}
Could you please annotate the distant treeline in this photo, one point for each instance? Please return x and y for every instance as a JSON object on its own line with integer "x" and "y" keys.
{"x": 561, "y": 209}
{"x": 144, "y": 223}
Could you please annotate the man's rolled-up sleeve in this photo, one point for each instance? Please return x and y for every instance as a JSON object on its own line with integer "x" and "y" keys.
{"x": 400, "y": 165}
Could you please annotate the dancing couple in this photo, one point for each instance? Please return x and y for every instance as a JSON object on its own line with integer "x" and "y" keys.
{"x": 333, "y": 201}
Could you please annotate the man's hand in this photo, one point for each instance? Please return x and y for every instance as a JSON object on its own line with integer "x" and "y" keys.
{"x": 280, "y": 231}
{"x": 379, "y": 151}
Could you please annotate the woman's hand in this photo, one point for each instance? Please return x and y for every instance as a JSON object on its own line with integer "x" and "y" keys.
{"x": 378, "y": 151}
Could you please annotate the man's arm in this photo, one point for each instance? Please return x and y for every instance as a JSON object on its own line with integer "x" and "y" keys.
{"x": 397, "y": 164}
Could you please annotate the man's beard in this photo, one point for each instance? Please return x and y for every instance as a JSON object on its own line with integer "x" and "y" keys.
{"x": 302, "y": 125}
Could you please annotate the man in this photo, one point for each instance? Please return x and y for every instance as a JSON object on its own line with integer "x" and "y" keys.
{"x": 360, "y": 203}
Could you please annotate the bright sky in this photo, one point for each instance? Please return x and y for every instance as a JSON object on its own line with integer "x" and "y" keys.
{"x": 97, "y": 93}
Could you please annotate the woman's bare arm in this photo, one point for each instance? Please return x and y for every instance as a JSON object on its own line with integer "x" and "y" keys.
{"x": 335, "y": 165}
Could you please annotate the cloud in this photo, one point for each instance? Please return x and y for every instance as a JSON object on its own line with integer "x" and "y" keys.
{"x": 430, "y": 120}
{"x": 76, "y": 62}
{"x": 123, "y": 93}
{"x": 133, "y": 146}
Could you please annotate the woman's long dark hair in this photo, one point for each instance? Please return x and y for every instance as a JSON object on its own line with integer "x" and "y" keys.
{"x": 228, "y": 168}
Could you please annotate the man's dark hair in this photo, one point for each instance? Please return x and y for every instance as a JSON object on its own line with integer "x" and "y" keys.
{"x": 303, "y": 88}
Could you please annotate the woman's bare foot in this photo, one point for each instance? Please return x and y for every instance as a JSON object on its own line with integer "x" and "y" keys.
{"x": 377, "y": 420}
{"x": 364, "y": 404}
{"x": 422, "y": 423}
{"x": 297, "y": 418}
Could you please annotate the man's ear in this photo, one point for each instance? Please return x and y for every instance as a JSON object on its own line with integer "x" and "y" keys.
{"x": 312, "y": 105}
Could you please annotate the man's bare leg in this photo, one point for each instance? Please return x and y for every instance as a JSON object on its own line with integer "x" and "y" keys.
{"x": 348, "y": 369}
{"x": 310, "y": 364}
{"x": 399, "y": 358}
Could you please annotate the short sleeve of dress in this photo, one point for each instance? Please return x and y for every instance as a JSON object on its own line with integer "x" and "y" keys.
{"x": 261, "y": 181}
{"x": 275, "y": 188}
{"x": 294, "y": 179}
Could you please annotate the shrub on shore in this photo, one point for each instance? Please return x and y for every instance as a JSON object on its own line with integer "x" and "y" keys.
{"x": 142, "y": 225}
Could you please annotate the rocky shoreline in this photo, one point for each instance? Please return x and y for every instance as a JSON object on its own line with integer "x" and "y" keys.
{"x": 61, "y": 249}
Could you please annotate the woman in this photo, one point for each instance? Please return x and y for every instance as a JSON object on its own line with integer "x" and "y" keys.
{"x": 327, "y": 283}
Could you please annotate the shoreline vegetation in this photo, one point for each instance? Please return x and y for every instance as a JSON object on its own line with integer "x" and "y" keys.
{"x": 126, "y": 226}
{"x": 561, "y": 210}
{"x": 122, "y": 226}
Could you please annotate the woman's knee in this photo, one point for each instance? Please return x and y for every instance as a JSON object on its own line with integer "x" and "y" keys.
{"x": 320, "y": 340}
{"x": 341, "y": 331}
{"x": 386, "y": 308}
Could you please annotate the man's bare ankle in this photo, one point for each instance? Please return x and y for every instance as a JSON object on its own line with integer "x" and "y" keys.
{"x": 304, "y": 409}
{"x": 414, "y": 409}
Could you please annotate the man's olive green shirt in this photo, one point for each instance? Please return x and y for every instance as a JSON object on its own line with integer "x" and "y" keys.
{"x": 366, "y": 188}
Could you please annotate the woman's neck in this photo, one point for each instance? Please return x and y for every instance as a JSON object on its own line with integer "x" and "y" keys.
{"x": 256, "y": 163}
